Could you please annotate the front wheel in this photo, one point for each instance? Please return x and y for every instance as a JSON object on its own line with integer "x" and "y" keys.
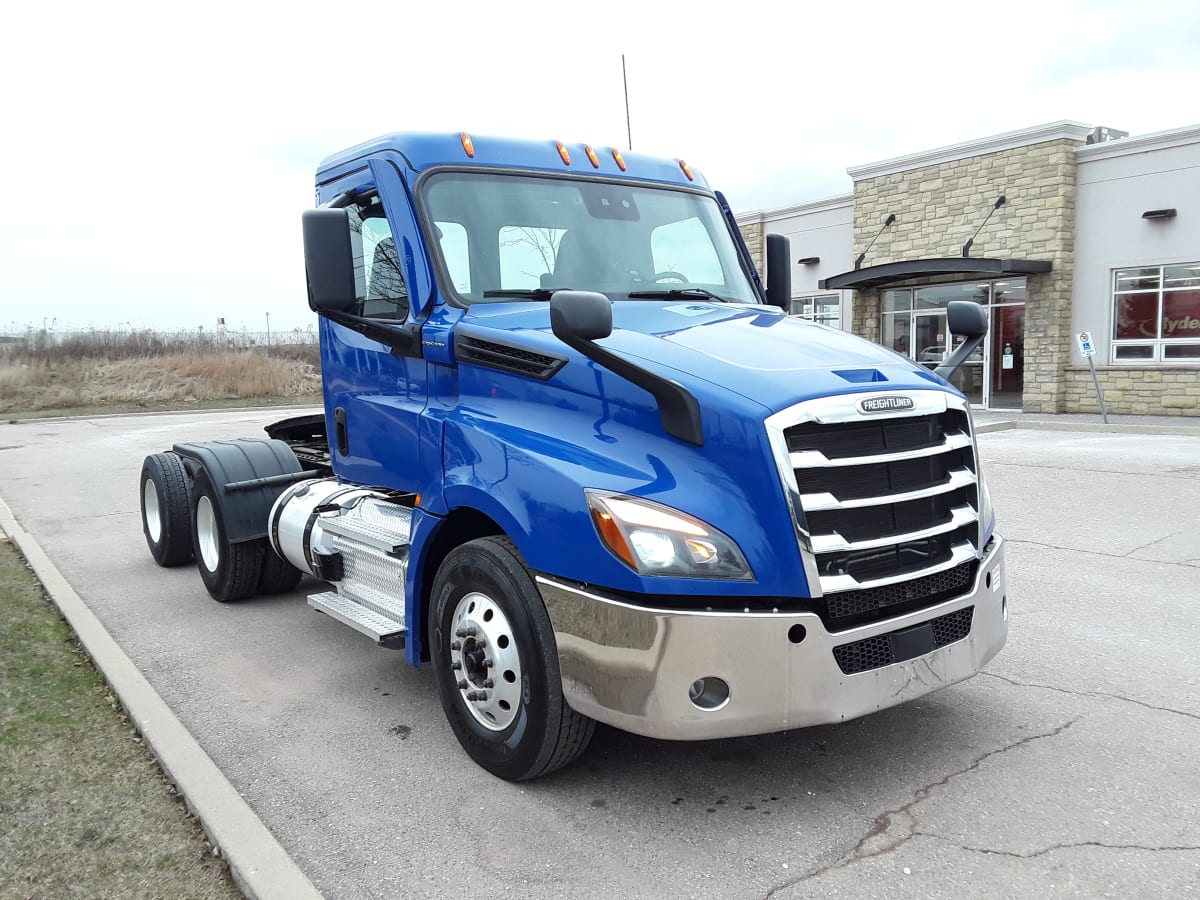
{"x": 497, "y": 664}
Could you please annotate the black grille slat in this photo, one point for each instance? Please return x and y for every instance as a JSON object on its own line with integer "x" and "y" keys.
{"x": 896, "y": 559}
{"x": 871, "y": 438}
{"x": 881, "y": 650}
{"x": 879, "y": 479}
{"x": 869, "y": 522}
{"x": 507, "y": 358}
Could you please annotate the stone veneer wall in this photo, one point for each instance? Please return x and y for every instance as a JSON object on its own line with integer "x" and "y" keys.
{"x": 939, "y": 206}
{"x": 1139, "y": 391}
{"x": 752, "y": 233}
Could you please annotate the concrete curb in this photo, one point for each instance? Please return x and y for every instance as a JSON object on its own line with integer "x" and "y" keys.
{"x": 316, "y": 407}
{"x": 1094, "y": 427}
{"x": 260, "y": 866}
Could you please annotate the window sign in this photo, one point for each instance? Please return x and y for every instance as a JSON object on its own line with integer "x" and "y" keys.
{"x": 1156, "y": 314}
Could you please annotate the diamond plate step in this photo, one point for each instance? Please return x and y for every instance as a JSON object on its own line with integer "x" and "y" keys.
{"x": 382, "y": 525}
{"x": 384, "y": 629}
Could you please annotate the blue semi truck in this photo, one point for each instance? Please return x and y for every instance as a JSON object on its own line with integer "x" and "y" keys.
{"x": 575, "y": 456}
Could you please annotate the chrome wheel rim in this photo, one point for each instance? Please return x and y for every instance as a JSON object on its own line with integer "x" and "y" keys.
{"x": 151, "y": 512}
{"x": 206, "y": 534}
{"x": 484, "y": 661}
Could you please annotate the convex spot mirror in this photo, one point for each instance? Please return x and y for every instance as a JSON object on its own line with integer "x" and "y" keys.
{"x": 966, "y": 319}
{"x": 329, "y": 260}
{"x": 580, "y": 314}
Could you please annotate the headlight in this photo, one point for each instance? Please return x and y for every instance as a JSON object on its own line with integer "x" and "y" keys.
{"x": 987, "y": 514}
{"x": 653, "y": 539}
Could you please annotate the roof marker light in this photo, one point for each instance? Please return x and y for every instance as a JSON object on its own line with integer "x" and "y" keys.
{"x": 468, "y": 144}
{"x": 687, "y": 170}
{"x": 562, "y": 151}
{"x": 591, "y": 155}
{"x": 620, "y": 160}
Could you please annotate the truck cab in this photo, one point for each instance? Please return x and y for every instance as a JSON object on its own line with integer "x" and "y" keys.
{"x": 575, "y": 456}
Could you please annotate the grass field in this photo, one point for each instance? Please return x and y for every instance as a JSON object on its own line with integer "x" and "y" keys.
{"x": 123, "y": 372}
{"x": 84, "y": 810}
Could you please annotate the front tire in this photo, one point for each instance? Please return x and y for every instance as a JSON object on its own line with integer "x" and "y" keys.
{"x": 496, "y": 664}
{"x": 230, "y": 571}
{"x": 166, "y": 520}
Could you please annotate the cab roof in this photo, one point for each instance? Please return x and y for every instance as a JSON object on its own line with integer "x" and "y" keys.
{"x": 426, "y": 150}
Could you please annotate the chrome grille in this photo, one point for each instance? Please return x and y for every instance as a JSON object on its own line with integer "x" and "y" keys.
{"x": 880, "y": 500}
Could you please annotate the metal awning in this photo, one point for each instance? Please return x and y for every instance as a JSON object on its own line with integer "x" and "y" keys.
{"x": 890, "y": 273}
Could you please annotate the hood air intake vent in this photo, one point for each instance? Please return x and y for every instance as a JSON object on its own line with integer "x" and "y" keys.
{"x": 507, "y": 358}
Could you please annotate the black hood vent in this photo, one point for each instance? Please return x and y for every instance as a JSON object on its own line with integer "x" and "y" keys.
{"x": 507, "y": 358}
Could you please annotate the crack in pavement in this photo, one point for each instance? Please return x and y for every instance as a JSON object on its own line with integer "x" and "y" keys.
{"x": 1160, "y": 562}
{"x": 1181, "y": 848}
{"x": 905, "y": 817}
{"x": 1074, "y": 470}
{"x": 1152, "y": 543}
{"x": 1101, "y": 694}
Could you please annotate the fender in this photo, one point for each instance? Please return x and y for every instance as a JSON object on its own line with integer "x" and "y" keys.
{"x": 268, "y": 465}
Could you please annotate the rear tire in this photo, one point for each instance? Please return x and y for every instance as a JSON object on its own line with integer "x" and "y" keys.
{"x": 278, "y": 575}
{"x": 166, "y": 514}
{"x": 229, "y": 571}
{"x": 504, "y": 702}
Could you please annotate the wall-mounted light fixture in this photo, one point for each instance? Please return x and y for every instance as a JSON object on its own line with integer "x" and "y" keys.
{"x": 1160, "y": 213}
{"x": 808, "y": 261}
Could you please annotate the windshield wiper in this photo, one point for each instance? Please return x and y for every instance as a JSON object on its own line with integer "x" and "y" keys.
{"x": 527, "y": 293}
{"x": 677, "y": 292}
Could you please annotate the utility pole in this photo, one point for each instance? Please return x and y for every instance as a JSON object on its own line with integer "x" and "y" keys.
{"x": 268, "y": 334}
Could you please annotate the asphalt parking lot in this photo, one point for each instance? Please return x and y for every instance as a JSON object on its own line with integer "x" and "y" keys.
{"x": 1068, "y": 769}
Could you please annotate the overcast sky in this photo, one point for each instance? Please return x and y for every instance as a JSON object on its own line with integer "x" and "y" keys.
{"x": 158, "y": 159}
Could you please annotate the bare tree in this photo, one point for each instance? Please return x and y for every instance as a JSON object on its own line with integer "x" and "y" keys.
{"x": 544, "y": 241}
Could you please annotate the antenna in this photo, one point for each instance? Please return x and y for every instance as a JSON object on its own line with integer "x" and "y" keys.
{"x": 625, "y": 81}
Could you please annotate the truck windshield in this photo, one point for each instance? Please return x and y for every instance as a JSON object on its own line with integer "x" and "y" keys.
{"x": 519, "y": 237}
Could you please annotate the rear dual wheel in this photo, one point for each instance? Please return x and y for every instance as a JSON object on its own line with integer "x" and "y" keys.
{"x": 166, "y": 516}
{"x": 230, "y": 571}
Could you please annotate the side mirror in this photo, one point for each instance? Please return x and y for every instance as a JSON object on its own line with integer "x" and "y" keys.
{"x": 966, "y": 318}
{"x": 578, "y": 318}
{"x": 580, "y": 315}
{"x": 779, "y": 271}
{"x": 329, "y": 260}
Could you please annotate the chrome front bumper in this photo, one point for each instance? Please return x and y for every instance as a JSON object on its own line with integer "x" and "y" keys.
{"x": 631, "y": 666}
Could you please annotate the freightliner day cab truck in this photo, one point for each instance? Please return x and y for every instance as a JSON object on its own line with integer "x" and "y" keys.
{"x": 575, "y": 456}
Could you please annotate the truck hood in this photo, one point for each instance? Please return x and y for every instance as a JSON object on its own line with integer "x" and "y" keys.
{"x": 755, "y": 351}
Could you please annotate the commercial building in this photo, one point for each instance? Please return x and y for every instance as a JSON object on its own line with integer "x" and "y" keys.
{"x": 1058, "y": 229}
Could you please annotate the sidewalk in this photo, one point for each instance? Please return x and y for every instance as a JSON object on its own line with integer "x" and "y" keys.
{"x": 1000, "y": 419}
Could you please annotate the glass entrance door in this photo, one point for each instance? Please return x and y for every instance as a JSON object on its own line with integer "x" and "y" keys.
{"x": 929, "y": 342}
{"x": 914, "y": 323}
{"x": 1006, "y": 363}
{"x": 969, "y": 377}
{"x": 933, "y": 343}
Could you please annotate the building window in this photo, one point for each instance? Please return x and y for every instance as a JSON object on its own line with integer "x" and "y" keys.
{"x": 825, "y": 309}
{"x": 1156, "y": 314}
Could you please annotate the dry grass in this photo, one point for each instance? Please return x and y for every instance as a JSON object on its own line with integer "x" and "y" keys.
{"x": 137, "y": 369}
{"x": 84, "y": 810}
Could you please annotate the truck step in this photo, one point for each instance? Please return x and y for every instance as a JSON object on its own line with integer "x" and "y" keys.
{"x": 384, "y": 526}
{"x": 385, "y": 630}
